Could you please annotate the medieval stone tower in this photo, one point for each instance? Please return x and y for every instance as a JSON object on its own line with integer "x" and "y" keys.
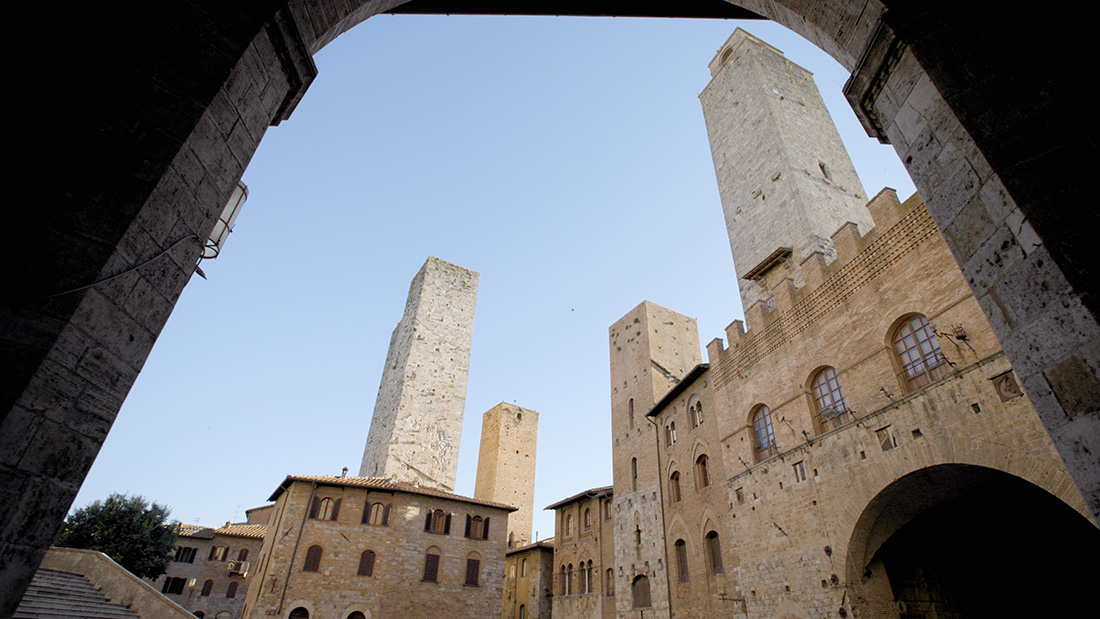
{"x": 417, "y": 423}
{"x": 652, "y": 349}
{"x": 784, "y": 177}
{"x": 506, "y": 465}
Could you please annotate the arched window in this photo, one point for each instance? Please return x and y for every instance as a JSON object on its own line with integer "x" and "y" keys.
{"x": 313, "y": 559}
{"x": 630, "y": 413}
{"x": 225, "y": 614}
{"x": 438, "y": 522}
{"x": 564, "y": 580}
{"x": 357, "y": 615}
{"x": 695, "y": 411}
{"x": 607, "y": 510}
{"x": 668, "y": 437}
{"x": 640, "y": 589}
{"x": 207, "y": 588}
{"x": 919, "y": 353}
{"x": 588, "y": 575}
{"x": 634, "y": 474}
{"x": 569, "y": 524}
{"x": 231, "y": 592}
{"x": 299, "y": 613}
{"x": 475, "y": 527}
{"x": 378, "y": 514}
{"x": 587, "y": 519}
{"x": 200, "y": 614}
{"x": 324, "y": 508}
{"x": 242, "y": 554}
{"x": 431, "y": 565}
{"x": 511, "y": 539}
{"x": 681, "y": 560}
{"x": 569, "y": 580}
{"x": 702, "y": 473}
{"x": 763, "y": 435}
{"x": 674, "y": 486}
{"x": 610, "y": 584}
{"x": 714, "y": 552}
{"x": 366, "y": 563}
{"x": 582, "y": 579}
{"x": 523, "y": 567}
{"x": 832, "y": 410}
{"x": 522, "y": 612}
{"x": 473, "y": 569}
{"x": 672, "y": 431}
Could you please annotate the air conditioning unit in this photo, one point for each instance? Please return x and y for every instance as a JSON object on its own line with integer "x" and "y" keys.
{"x": 237, "y": 567}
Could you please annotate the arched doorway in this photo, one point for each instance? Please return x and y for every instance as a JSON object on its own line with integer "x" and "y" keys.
{"x": 965, "y": 541}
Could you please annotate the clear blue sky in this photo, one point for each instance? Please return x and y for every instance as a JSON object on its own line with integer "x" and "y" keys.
{"x": 565, "y": 159}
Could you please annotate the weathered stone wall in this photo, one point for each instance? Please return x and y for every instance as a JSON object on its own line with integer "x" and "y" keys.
{"x": 776, "y": 150}
{"x": 506, "y": 465}
{"x": 417, "y": 423}
{"x": 580, "y": 592}
{"x": 396, "y": 589}
{"x": 528, "y": 582}
{"x": 698, "y": 507}
{"x": 652, "y": 349}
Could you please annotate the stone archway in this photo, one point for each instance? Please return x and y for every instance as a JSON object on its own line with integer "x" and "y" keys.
{"x": 965, "y": 541}
{"x": 135, "y": 126}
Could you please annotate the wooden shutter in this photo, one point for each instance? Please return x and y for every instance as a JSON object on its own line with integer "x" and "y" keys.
{"x": 485, "y": 528}
{"x": 468, "y": 521}
{"x": 386, "y": 516}
{"x": 447, "y": 525}
{"x": 207, "y": 587}
{"x": 473, "y": 566}
{"x": 428, "y": 521}
{"x": 232, "y": 591}
{"x": 213, "y": 549}
{"x": 336, "y": 509}
{"x": 366, "y": 563}
{"x": 314, "y": 507}
{"x": 431, "y": 568}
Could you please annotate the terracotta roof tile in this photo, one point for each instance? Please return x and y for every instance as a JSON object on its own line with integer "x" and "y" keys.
{"x": 256, "y": 531}
{"x": 383, "y": 483}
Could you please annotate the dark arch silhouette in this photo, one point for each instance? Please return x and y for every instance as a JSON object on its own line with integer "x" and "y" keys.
{"x": 134, "y": 127}
{"x": 963, "y": 539}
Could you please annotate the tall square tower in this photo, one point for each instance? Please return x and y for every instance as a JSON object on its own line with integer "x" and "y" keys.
{"x": 506, "y": 466}
{"x": 417, "y": 423}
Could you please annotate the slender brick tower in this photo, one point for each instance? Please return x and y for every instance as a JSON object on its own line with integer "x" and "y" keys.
{"x": 506, "y": 465}
{"x": 784, "y": 177}
{"x": 417, "y": 423}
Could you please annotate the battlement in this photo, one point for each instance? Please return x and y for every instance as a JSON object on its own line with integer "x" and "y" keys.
{"x": 899, "y": 228}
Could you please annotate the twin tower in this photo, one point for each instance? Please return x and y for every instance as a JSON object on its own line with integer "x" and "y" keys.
{"x": 417, "y": 424}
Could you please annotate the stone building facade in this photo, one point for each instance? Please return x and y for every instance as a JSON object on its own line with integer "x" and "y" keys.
{"x": 506, "y": 465}
{"x": 212, "y": 568}
{"x": 529, "y": 581}
{"x": 585, "y": 576}
{"x": 359, "y": 547}
{"x": 417, "y": 423}
{"x": 865, "y": 449}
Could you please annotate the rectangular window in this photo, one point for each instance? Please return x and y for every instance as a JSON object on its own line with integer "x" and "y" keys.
{"x": 799, "y": 471}
{"x": 886, "y": 438}
{"x": 174, "y": 586}
{"x": 185, "y": 554}
{"x": 473, "y": 567}
{"x": 431, "y": 568}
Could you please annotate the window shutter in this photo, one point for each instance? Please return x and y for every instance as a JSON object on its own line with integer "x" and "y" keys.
{"x": 213, "y": 549}
{"x": 428, "y": 521}
{"x": 366, "y": 563}
{"x": 468, "y": 519}
{"x": 447, "y": 525}
{"x": 386, "y": 516}
{"x": 485, "y": 529}
{"x": 431, "y": 568}
{"x": 314, "y": 507}
{"x": 336, "y": 509}
{"x": 232, "y": 592}
{"x": 472, "y": 568}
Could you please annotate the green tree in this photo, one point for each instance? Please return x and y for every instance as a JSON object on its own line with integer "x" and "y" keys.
{"x": 130, "y": 530}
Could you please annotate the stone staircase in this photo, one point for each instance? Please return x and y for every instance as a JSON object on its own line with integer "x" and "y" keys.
{"x": 60, "y": 595}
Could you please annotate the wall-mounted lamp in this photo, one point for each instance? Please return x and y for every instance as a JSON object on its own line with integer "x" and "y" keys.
{"x": 225, "y": 222}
